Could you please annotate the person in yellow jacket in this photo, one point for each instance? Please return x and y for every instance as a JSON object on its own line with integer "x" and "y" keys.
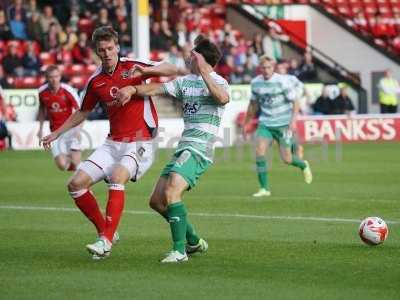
{"x": 389, "y": 89}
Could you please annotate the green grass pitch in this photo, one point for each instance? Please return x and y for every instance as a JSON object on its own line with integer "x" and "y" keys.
{"x": 301, "y": 243}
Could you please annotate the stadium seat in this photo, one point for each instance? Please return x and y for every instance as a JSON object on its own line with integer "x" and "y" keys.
{"x": 47, "y": 58}
{"x": 78, "y": 82}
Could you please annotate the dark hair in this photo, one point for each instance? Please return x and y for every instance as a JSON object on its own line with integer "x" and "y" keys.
{"x": 209, "y": 50}
{"x": 104, "y": 33}
{"x": 51, "y": 68}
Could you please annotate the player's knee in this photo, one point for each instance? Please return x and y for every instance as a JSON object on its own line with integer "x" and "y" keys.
{"x": 75, "y": 184}
{"x": 171, "y": 193}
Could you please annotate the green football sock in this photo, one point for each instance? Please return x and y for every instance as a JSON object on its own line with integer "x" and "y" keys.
{"x": 191, "y": 235}
{"x": 297, "y": 162}
{"x": 261, "y": 164}
{"x": 177, "y": 221}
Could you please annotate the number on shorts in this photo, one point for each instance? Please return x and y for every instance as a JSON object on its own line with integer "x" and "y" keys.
{"x": 183, "y": 157}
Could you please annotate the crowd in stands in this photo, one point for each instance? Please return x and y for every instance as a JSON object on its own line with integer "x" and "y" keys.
{"x": 33, "y": 36}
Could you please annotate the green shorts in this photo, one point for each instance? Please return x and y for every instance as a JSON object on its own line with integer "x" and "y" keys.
{"x": 282, "y": 134}
{"x": 188, "y": 164}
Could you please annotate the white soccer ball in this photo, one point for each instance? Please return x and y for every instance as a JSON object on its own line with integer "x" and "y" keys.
{"x": 373, "y": 231}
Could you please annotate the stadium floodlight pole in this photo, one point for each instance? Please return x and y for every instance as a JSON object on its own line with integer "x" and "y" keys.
{"x": 140, "y": 28}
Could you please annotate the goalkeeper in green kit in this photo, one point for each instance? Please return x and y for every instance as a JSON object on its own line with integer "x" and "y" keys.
{"x": 203, "y": 94}
{"x": 274, "y": 96}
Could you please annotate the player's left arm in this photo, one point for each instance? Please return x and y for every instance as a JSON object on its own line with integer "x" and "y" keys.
{"x": 295, "y": 114}
{"x": 218, "y": 92}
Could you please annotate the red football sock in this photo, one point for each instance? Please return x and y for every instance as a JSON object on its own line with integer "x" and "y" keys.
{"x": 87, "y": 203}
{"x": 115, "y": 206}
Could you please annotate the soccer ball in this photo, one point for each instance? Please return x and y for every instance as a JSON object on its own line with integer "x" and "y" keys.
{"x": 373, "y": 231}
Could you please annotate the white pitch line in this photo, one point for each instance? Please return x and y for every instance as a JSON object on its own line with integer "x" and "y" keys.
{"x": 207, "y": 215}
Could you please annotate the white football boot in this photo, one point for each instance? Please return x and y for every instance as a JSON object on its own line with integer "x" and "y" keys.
{"x": 102, "y": 247}
{"x": 262, "y": 193}
{"x": 175, "y": 257}
{"x": 201, "y": 247}
{"x": 115, "y": 241}
{"x": 307, "y": 173}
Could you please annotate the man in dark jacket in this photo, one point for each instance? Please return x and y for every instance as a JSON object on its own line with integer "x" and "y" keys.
{"x": 342, "y": 103}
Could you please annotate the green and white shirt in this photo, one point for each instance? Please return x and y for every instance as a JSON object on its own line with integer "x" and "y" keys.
{"x": 275, "y": 98}
{"x": 201, "y": 113}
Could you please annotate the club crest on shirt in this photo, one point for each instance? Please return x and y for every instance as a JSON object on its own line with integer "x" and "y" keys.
{"x": 128, "y": 74}
{"x": 191, "y": 108}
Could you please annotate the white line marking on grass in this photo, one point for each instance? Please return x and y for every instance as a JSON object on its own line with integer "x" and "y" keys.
{"x": 207, "y": 215}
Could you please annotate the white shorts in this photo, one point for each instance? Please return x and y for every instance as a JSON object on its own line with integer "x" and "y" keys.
{"x": 67, "y": 142}
{"x": 136, "y": 157}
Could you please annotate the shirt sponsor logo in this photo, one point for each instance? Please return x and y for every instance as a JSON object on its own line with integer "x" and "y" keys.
{"x": 191, "y": 108}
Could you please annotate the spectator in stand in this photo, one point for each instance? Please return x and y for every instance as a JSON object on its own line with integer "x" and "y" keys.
{"x": 68, "y": 37}
{"x": 226, "y": 46}
{"x": 5, "y": 31}
{"x": 271, "y": 43}
{"x": 342, "y": 104}
{"x": 249, "y": 70}
{"x": 167, "y": 33}
{"x": 360, "y": 22}
{"x": 181, "y": 34}
{"x": 228, "y": 32}
{"x": 175, "y": 57}
{"x": 51, "y": 40}
{"x": 34, "y": 28}
{"x": 47, "y": 18}
{"x": 4, "y": 133}
{"x": 3, "y": 81}
{"x": 82, "y": 53}
{"x": 102, "y": 19}
{"x": 257, "y": 44}
{"x": 381, "y": 29}
{"x": 252, "y": 56}
{"x": 294, "y": 68}
{"x": 31, "y": 9}
{"x": 236, "y": 77}
{"x": 323, "y": 104}
{"x": 74, "y": 19}
{"x": 64, "y": 54}
{"x": 12, "y": 63}
{"x": 157, "y": 39}
{"x": 226, "y": 67}
{"x": 389, "y": 90}
{"x": 16, "y": 9}
{"x": 308, "y": 71}
{"x": 18, "y": 27}
{"x": 167, "y": 13}
{"x": 31, "y": 61}
{"x": 125, "y": 38}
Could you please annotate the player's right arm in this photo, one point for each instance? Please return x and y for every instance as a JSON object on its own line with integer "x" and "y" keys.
{"x": 252, "y": 110}
{"x": 151, "y": 89}
{"x": 74, "y": 120}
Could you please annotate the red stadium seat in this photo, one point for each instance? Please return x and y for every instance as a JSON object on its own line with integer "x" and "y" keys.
{"x": 78, "y": 82}
{"x": 47, "y": 58}
{"x": 75, "y": 69}
{"x": 20, "y": 48}
{"x": 27, "y": 82}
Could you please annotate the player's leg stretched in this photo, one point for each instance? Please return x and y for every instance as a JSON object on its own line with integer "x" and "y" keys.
{"x": 177, "y": 215}
{"x": 293, "y": 160}
{"x": 262, "y": 145}
{"x": 158, "y": 202}
{"x": 78, "y": 188}
{"x": 115, "y": 205}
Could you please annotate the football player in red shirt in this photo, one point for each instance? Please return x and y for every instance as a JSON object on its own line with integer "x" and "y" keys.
{"x": 128, "y": 151}
{"x": 60, "y": 100}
